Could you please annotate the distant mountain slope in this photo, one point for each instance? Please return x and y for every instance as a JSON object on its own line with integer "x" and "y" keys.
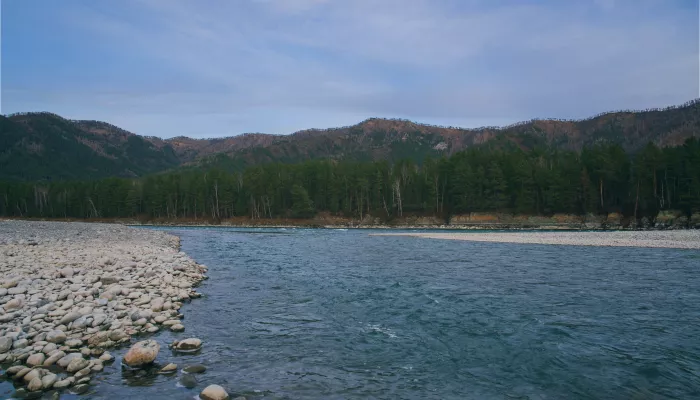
{"x": 392, "y": 139}
{"x": 46, "y": 146}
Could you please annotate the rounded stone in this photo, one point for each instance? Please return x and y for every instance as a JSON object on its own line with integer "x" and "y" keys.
{"x": 36, "y": 359}
{"x": 142, "y": 353}
{"x": 77, "y": 364}
{"x": 213, "y": 392}
{"x": 63, "y": 383}
{"x": 117, "y": 335}
{"x": 195, "y": 369}
{"x": 168, "y": 369}
{"x": 80, "y": 389}
{"x": 65, "y": 360}
{"x": 70, "y": 317}
{"x": 35, "y": 384}
{"x": 188, "y": 381}
{"x": 74, "y": 343}
{"x": 53, "y": 358}
{"x": 66, "y": 272}
{"x": 48, "y": 381}
{"x": 34, "y": 373}
{"x": 13, "y": 304}
{"x": 189, "y": 344}
{"x": 5, "y": 344}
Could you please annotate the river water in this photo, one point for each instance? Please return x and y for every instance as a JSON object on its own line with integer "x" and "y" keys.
{"x": 339, "y": 314}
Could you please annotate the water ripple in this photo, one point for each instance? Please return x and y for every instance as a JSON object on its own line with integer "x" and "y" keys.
{"x": 322, "y": 314}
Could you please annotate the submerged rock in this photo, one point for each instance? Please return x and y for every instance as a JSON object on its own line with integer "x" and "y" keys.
{"x": 188, "y": 381}
{"x": 195, "y": 369}
{"x": 80, "y": 389}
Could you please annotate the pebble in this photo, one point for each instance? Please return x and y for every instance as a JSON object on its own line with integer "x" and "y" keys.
{"x": 168, "y": 369}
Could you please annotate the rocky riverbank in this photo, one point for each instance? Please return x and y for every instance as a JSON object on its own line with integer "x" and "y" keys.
{"x": 71, "y": 291}
{"x": 686, "y": 239}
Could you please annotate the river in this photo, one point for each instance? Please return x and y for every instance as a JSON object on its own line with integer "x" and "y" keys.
{"x": 339, "y": 314}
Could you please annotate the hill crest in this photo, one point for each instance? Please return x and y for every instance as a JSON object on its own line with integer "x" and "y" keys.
{"x": 43, "y": 145}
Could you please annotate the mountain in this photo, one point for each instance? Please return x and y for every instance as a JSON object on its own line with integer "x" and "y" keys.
{"x": 376, "y": 138}
{"x": 39, "y": 146}
{"x": 46, "y": 146}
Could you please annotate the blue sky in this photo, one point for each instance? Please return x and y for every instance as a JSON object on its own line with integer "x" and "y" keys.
{"x": 223, "y": 67}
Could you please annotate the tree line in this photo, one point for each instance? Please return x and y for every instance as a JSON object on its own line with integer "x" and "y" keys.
{"x": 598, "y": 180}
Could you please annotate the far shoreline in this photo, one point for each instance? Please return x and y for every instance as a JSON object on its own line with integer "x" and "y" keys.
{"x": 315, "y": 224}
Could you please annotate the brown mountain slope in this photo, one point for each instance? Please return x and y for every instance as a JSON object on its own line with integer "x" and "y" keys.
{"x": 46, "y": 146}
{"x": 392, "y": 139}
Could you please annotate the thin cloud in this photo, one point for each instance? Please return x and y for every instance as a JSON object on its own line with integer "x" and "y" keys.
{"x": 279, "y": 66}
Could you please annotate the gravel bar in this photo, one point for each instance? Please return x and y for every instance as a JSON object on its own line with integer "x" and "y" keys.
{"x": 70, "y": 291}
{"x": 677, "y": 239}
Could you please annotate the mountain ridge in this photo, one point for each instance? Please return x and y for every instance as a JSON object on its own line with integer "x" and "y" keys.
{"x": 43, "y": 145}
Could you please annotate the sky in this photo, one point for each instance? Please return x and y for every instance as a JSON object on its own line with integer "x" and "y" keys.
{"x": 211, "y": 68}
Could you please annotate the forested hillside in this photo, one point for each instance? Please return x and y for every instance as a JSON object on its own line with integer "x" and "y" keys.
{"x": 599, "y": 179}
{"x": 44, "y": 146}
{"x": 393, "y": 140}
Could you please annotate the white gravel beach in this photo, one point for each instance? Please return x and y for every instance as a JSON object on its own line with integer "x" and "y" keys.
{"x": 676, "y": 239}
{"x": 70, "y": 291}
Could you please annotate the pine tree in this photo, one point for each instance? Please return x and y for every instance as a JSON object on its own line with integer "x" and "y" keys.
{"x": 302, "y": 207}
